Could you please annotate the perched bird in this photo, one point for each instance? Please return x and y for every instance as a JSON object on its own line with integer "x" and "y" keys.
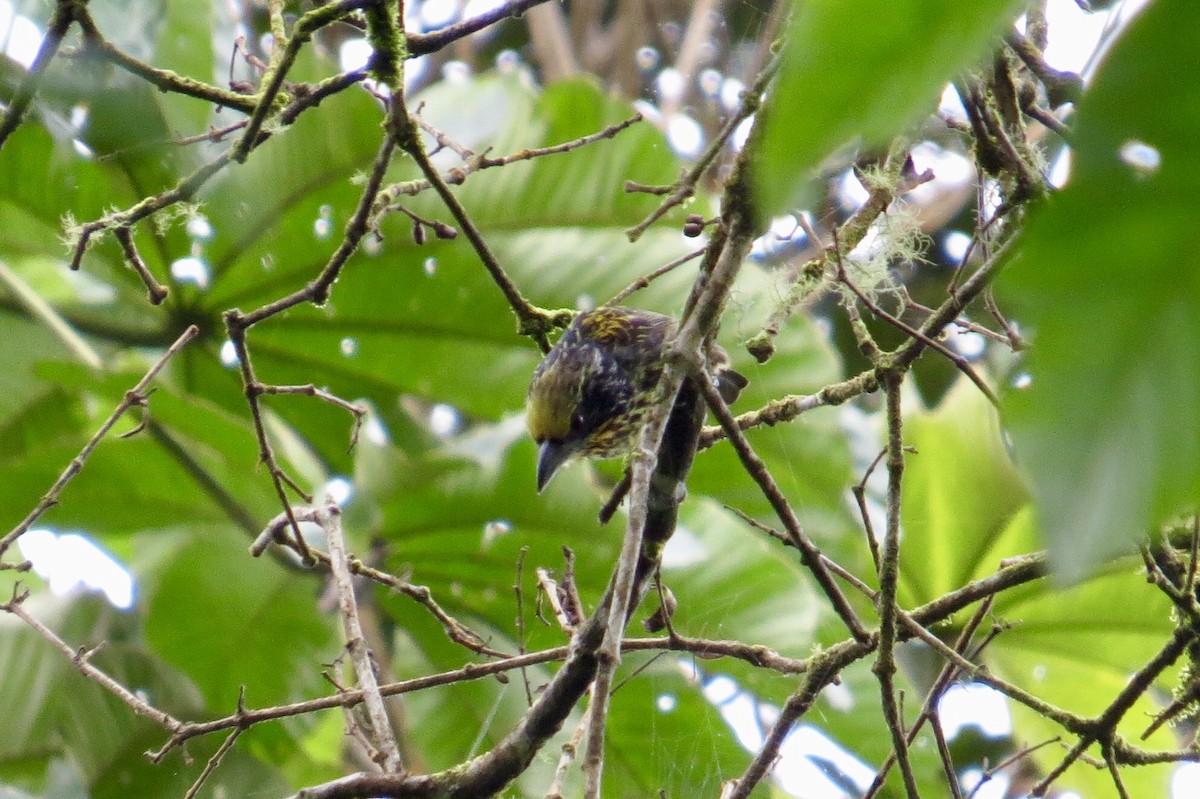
{"x": 590, "y": 396}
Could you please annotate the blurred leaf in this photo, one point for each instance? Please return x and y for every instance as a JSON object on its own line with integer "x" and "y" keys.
{"x": 43, "y": 181}
{"x": 52, "y": 710}
{"x": 964, "y": 512}
{"x": 861, "y": 71}
{"x": 708, "y": 561}
{"x": 462, "y": 526}
{"x": 961, "y": 490}
{"x": 654, "y": 717}
{"x": 1109, "y": 429}
{"x": 131, "y": 25}
{"x": 852, "y": 716}
{"x": 187, "y": 24}
{"x": 227, "y": 620}
{"x": 186, "y": 465}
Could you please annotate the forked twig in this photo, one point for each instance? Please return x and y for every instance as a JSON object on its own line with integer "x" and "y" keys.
{"x": 135, "y": 396}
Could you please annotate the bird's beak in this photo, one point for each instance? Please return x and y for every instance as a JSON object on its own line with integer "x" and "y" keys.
{"x": 551, "y": 455}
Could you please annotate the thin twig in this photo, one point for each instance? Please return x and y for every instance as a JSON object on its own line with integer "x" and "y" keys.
{"x": 309, "y": 390}
{"x": 330, "y": 519}
{"x": 609, "y": 654}
{"x": 810, "y": 554}
{"x": 65, "y": 12}
{"x": 860, "y": 497}
{"x": 806, "y": 279}
{"x": 216, "y": 759}
{"x": 81, "y": 659}
{"x": 1111, "y": 762}
{"x": 423, "y": 43}
{"x": 162, "y": 79}
{"x": 889, "y": 573}
{"x": 1018, "y": 572}
{"x": 945, "y": 677}
{"x": 517, "y": 590}
{"x": 157, "y": 291}
{"x": 1024, "y": 752}
{"x": 531, "y": 320}
{"x": 823, "y": 670}
{"x": 182, "y": 191}
{"x": 685, "y": 187}
{"x": 549, "y": 589}
{"x": 136, "y": 396}
{"x": 282, "y": 58}
{"x": 962, "y": 323}
{"x": 275, "y": 531}
{"x": 1189, "y": 585}
{"x": 646, "y": 280}
{"x": 959, "y": 362}
{"x": 569, "y": 751}
{"x": 472, "y": 163}
{"x": 317, "y": 291}
{"x": 1104, "y": 726}
{"x": 786, "y": 540}
{"x": 939, "y": 736}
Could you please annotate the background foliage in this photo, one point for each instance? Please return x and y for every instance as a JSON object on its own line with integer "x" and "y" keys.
{"x": 440, "y": 482}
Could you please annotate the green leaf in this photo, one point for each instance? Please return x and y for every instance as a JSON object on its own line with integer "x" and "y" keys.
{"x": 27, "y": 406}
{"x": 180, "y": 47}
{"x": 707, "y": 563}
{"x": 1076, "y": 649}
{"x": 187, "y": 464}
{"x": 964, "y": 512}
{"x": 1106, "y": 273}
{"x": 657, "y": 715}
{"x": 861, "y": 70}
{"x": 228, "y": 620}
{"x": 53, "y": 710}
{"x": 961, "y": 491}
{"x": 43, "y": 182}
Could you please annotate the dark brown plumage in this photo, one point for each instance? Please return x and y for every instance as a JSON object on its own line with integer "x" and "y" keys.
{"x": 590, "y": 395}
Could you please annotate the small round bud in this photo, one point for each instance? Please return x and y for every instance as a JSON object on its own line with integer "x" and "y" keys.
{"x": 444, "y": 231}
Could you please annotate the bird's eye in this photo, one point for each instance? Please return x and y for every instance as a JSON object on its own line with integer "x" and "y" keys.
{"x": 577, "y": 421}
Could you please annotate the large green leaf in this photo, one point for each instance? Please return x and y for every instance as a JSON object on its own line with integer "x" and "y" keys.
{"x": 460, "y": 528}
{"x": 961, "y": 490}
{"x": 861, "y": 70}
{"x": 964, "y": 512}
{"x": 181, "y": 47}
{"x": 1106, "y": 275}
{"x": 185, "y": 466}
{"x": 43, "y": 182}
{"x": 1077, "y": 648}
{"x": 402, "y": 321}
{"x": 657, "y": 715}
{"x": 227, "y": 621}
{"x": 54, "y": 711}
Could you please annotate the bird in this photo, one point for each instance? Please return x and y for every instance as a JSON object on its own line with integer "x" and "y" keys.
{"x": 591, "y": 394}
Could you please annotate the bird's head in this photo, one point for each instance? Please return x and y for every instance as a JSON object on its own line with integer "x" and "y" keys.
{"x": 588, "y": 395}
{"x": 553, "y": 418}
